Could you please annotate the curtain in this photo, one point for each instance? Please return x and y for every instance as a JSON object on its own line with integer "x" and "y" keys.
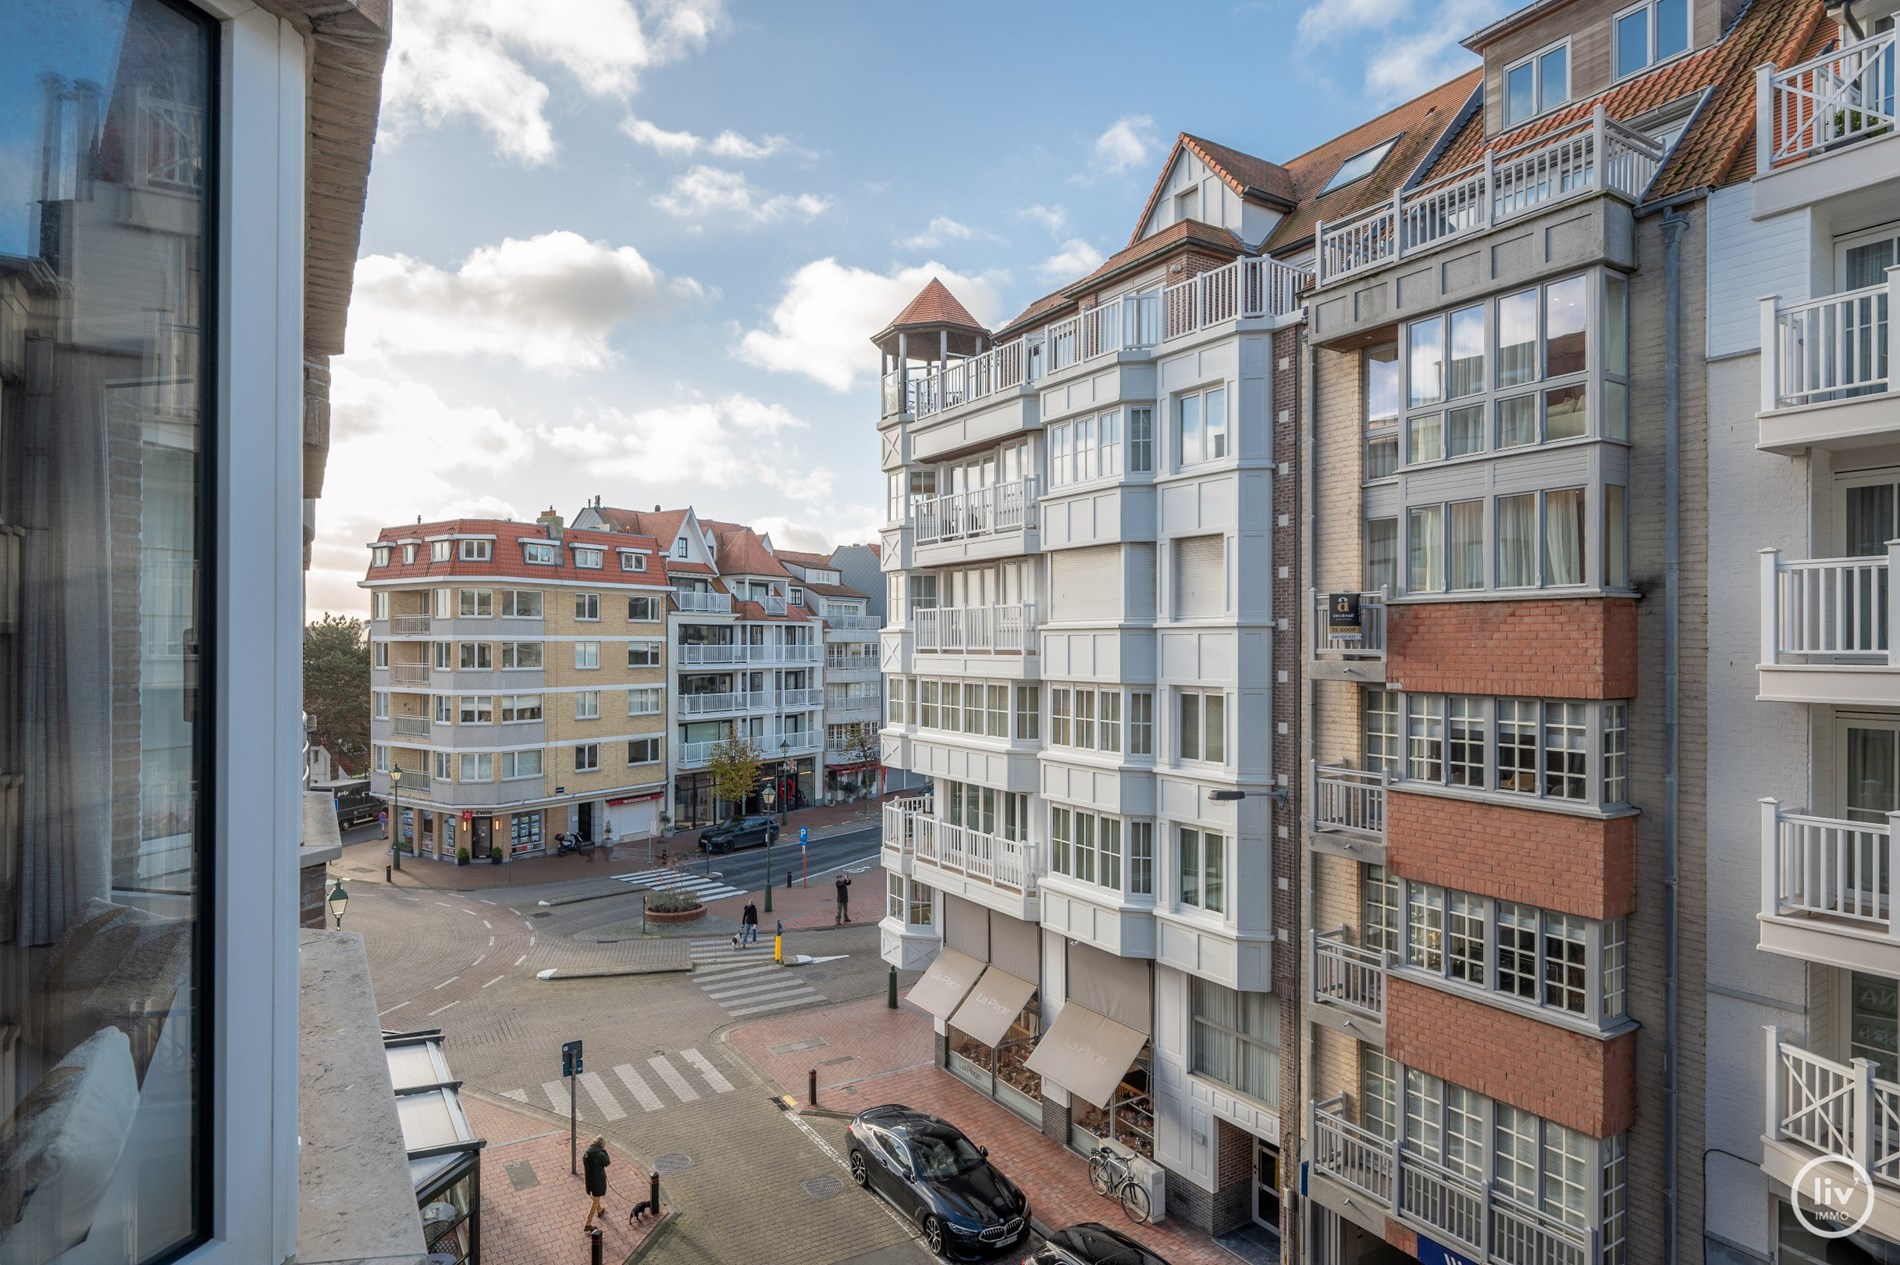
{"x": 1425, "y": 545}
{"x": 1563, "y": 536}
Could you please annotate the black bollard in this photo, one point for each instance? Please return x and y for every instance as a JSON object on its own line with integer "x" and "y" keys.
{"x": 593, "y": 1246}
{"x": 811, "y": 1086}
{"x": 890, "y": 988}
{"x": 385, "y": 874}
{"x": 653, "y": 1191}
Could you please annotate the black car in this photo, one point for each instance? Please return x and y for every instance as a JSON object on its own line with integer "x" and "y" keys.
{"x": 939, "y": 1179}
{"x": 1091, "y": 1243}
{"x": 739, "y": 832}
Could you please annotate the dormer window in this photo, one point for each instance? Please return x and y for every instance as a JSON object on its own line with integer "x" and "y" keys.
{"x": 477, "y": 550}
{"x": 798, "y": 597}
{"x": 438, "y": 551}
{"x": 633, "y": 562}
{"x": 590, "y": 559}
{"x": 1649, "y": 33}
{"x": 381, "y": 555}
{"x": 1536, "y": 85}
{"x": 539, "y": 554}
{"x": 408, "y": 554}
{"x": 1360, "y": 165}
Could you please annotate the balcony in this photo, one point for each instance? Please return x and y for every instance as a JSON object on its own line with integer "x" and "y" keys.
{"x": 843, "y": 701}
{"x": 1597, "y": 156}
{"x": 724, "y": 703}
{"x": 1349, "y": 812}
{"x": 1825, "y": 631}
{"x": 408, "y": 625}
{"x": 1826, "y": 378}
{"x": 409, "y": 726}
{"x": 835, "y": 663}
{"x": 991, "y": 511}
{"x": 986, "y": 868}
{"x": 1820, "y": 1107}
{"x": 717, "y": 653}
{"x": 412, "y": 780}
{"x": 898, "y": 846}
{"x": 1833, "y": 101}
{"x": 976, "y": 629}
{"x": 694, "y": 755}
{"x": 409, "y": 674}
{"x": 853, "y": 623}
{"x": 1451, "y": 1208}
{"x": 793, "y": 700}
{"x": 705, "y": 603}
{"x": 1348, "y": 983}
{"x": 1343, "y": 650}
{"x": 1825, "y": 889}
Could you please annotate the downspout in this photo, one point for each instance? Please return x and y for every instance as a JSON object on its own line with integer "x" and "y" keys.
{"x": 1306, "y": 444}
{"x": 1673, "y": 225}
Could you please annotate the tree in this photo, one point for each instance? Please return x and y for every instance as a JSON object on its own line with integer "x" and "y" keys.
{"x": 336, "y": 687}
{"x": 734, "y": 767}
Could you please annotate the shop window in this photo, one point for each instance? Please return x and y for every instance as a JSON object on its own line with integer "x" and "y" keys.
{"x": 1129, "y": 1116}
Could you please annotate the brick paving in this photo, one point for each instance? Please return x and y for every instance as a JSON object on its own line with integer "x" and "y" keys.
{"x": 803, "y": 908}
{"x": 542, "y": 1222}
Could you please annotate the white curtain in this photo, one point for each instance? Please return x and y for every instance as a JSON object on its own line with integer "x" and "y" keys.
{"x": 1563, "y": 536}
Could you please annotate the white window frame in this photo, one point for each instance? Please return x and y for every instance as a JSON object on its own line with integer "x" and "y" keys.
{"x": 651, "y": 744}
{"x": 380, "y": 555}
{"x": 633, "y": 562}
{"x": 517, "y": 709}
{"x": 511, "y": 762}
{"x": 586, "y": 656}
{"x": 587, "y": 757}
{"x": 1203, "y": 453}
{"x": 1200, "y": 755}
{"x": 441, "y": 550}
{"x": 511, "y": 603}
{"x": 655, "y": 612}
{"x": 539, "y": 553}
{"x": 587, "y": 705}
{"x": 587, "y": 608}
{"x": 475, "y": 603}
{"x": 1536, "y": 62}
{"x": 477, "y": 551}
{"x": 646, "y": 700}
{"x": 1619, "y": 73}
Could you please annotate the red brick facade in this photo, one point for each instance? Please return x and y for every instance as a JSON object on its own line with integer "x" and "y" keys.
{"x": 1581, "y": 1081}
{"x": 1563, "y": 648}
{"x": 1558, "y": 861}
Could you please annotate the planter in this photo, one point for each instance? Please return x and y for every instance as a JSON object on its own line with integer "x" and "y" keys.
{"x": 494, "y": 858}
{"x": 689, "y": 915}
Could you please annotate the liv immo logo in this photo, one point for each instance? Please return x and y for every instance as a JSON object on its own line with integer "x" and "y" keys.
{"x": 1833, "y": 1196}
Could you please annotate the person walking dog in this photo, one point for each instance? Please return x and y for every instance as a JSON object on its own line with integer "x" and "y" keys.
{"x": 594, "y": 1162}
{"x": 844, "y": 902}
{"x": 749, "y": 925}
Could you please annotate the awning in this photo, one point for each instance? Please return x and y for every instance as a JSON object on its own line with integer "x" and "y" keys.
{"x": 993, "y": 1005}
{"x": 1086, "y": 1053}
{"x": 945, "y": 981}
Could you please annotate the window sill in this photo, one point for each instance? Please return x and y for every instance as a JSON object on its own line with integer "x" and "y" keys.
{"x": 1606, "y": 1031}
{"x": 1552, "y": 593}
{"x": 1507, "y": 799}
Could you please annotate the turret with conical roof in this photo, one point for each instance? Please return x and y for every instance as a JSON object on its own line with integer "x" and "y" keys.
{"x": 933, "y": 331}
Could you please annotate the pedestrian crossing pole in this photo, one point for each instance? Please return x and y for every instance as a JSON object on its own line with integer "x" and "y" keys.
{"x": 778, "y": 944}
{"x": 571, "y": 1068}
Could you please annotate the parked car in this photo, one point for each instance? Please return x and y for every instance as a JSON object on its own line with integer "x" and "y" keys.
{"x": 739, "y": 832}
{"x": 1091, "y": 1243}
{"x": 939, "y": 1179}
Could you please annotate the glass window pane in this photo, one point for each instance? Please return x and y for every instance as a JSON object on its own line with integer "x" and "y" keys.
{"x": 1188, "y": 438}
{"x": 1564, "y": 412}
{"x": 1216, "y": 705}
{"x": 1517, "y": 339}
{"x": 1190, "y": 730}
{"x": 1520, "y": 92}
{"x": 1425, "y": 550}
{"x": 1553, "y": 75}
{"x": 1563, "y": 536}
{"x": 1188, "y": 870}
{"x": 1464, "y": 431}
{"x": 1425, "y": 438}
{"x": 1564, "y": 338}
{"x": 1382, "y": 457}
{"x": 1426, "y": 340}
{"x": 1616, "y": 342}
{"x": 1467, "y": 545}
{"x": 1382, "y": 554}
{"x": 1672, "y": 27}
{"x": 1382, "y": 384}
{"x": 1517, "y": 421}
{"x": 1467, "y": 352}
{"x": 1216, "y": 411}
{"x": 1632, "y": 42}
{"x": 1616, "y": 550}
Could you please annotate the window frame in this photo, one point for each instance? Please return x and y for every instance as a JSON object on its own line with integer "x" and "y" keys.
{"x": 1204, "y": 728}
{"x": 587, "y": 757}
{"x": 1206, "y": 844}
{"x": 587, "y": 608}
{"x": 1203, "y": 431}
{"x": 540, "y": 553}
{"x": 1485, "y": 714}
{"x": 1619, "y": 72}
{"x": 1535, "y": 60}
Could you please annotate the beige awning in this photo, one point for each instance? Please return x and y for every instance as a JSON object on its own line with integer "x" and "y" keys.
{"x": 1086, "y": 1053}
{"x": 945, "y": 981}
{"x": 993, "y": 1005}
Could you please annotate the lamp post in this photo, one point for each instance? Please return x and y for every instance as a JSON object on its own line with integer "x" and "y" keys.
{"x": 785, "y": 769}
{"x": 339, "y": 901}
{"x": 395, "y": 815}
{"x": 768, "y": 795}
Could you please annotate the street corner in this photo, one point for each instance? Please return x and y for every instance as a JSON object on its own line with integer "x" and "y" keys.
{"x": 840, "y": 1045}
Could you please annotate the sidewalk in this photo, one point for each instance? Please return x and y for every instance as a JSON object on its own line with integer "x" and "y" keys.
{"x": 533, "y": 1208}
{"x": 866, "y": 1054}
{"x": 802, "y": 908}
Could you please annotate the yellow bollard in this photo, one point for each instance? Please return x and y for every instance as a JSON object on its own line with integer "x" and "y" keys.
{"x": 778, "y": 949}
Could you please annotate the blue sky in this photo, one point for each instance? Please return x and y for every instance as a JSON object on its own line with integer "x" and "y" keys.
{"x": 635, "y": 248}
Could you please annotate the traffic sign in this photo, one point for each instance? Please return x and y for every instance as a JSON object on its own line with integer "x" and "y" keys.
{"x": 804, "y": 836}
{"x": 571, "y": 1058}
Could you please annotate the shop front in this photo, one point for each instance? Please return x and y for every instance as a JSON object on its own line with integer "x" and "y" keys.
{"x": 850, "y": 781}
{"x": 1099, "y": 1049}
{"x": 989, "y": 1034}
{"x": 634, "y": 817}
{"x": 445, "y": 1156}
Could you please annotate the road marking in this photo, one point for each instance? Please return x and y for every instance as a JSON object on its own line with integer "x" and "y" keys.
{"x": 521, "y": 959}
{"x": 798, "y": 1123}
{"x": 558, "y": 1096}
{"x": 756, "y": 989}
{"x": 471, "y": 913}
{"x": 674, "y": 1081}
{"x": 438, "y": 1010}
{"x": 713, "y": 979}
{"x": 491, "y": 942}
{"x": 445, "y": 904}
{"x": 530, "y": 942}
{"x": 597, "y": 1090}
{"x": 486, "y": 901}
{"x": 498, "y": 979}
{"x": 486, "y": 923}
{"x": 398, "y": 1006}
{"x": 519, "y": 1095}
{"x": 445, "y": 983}
{"x": 649, "y": 1101}
{"x": 713, "y": 1077}
{"x": 777, "y": 1005}
{"x": 478, "y": 961}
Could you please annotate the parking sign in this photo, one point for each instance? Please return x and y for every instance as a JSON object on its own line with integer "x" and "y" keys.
{"x": 804, "y": 836}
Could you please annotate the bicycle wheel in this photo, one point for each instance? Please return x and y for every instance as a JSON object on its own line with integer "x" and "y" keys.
{"x": 1098, "y": 1174}
{"x": 1135, "y": 1201}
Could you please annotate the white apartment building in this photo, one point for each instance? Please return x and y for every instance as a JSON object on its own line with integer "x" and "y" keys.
{"x": 854, "y": 688}
{"x": 1078, "y": 656}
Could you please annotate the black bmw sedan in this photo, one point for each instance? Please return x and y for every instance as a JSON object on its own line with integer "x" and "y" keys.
{"x": 939, "y": 1179}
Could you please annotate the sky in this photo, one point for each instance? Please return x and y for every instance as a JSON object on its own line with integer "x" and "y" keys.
{"x": 636, "y": 249}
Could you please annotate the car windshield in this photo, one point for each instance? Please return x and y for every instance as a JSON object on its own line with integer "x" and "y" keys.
{"x": 944, "y": 1154}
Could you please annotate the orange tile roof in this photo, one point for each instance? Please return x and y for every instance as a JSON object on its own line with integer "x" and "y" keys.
{"x": 1419, "y": 123}
{"x": 742, "y": 551}
{"x": 1181, "y": 233}
{"x": 805, "y": 559}
{"x": 506, "y": 560}
{"x": 1243, "y": 173}
{"x": 659, "y": 524}
{"x": 934, "y": 305}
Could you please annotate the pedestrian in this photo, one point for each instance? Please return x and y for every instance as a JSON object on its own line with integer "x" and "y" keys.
{"x": 844, "y": 901}
{"x": 594, "y": 1162}
{"x": 749, "y": 925}
{"x": 382, "y": 822}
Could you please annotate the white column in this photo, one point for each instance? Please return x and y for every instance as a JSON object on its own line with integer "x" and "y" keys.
{"x": 1770, "y": 867}
{"x": 1861, "y": 1140}
{"x": 1893, "y": 327}
{"x": 1893, "y": 599}
{"x": 1764, "y": 119}
{"x": 1770, "y": 630}
{"x": 1771, "y": 352}
{"x": 1771, "y": 1119}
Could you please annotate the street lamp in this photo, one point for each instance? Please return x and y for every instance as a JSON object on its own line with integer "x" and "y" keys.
{"x": 395, "y": 815}
{"x": 785, "y": 772}
{"x": 768, "y": 795}
{"x": 1276, "y": 794}
{"x": 339, "y": 901}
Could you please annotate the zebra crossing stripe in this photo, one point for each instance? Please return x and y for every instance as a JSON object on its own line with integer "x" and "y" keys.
{"x": 674, "y": 1081}
{"x": 519, "y": 1095}
{"x": 755, "y": 989}
{"x": 713, "y": 979}
{"x": 558, "y": 1096}
{"x": 642, "y": 1092}
{"x": 597, "y": 1090}
{"x": 710, "y": 1073}
{"x": 776, "y": 1005}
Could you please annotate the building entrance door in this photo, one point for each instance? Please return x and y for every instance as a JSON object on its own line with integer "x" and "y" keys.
{"x": 1266, "y": 1179}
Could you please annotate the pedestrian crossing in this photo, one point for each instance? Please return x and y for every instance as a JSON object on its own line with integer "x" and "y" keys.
{"x": 655, "y": 1085}
{"x": 675, "y": 881}
{"x": 746, "y": 982}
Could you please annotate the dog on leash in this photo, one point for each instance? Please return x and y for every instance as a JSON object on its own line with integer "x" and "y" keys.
{"x": 641, "y": 1210}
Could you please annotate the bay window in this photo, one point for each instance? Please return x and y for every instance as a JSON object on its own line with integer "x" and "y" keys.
{"x": 1572, "y": 751}
{"x": 1200, "y": 869}
{"x": 520, "y": 604}
{"x": 1200, "y": 432}
{"x": 1088, "y": 847}
{"x": 476, "y": 767}
{"x": 1520, "y": 540}
{"x": 1201, "y": 730}
{"x": 475, "y": 603}
{"x": 1236, "y": 1038}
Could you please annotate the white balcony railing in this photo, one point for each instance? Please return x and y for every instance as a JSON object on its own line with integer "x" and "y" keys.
{"x": 399, "y": 624}
{"x": 1010, "y": 864}
{"x": 854, "y": 623}
{"x": 789, "y": 700}
{"x": 900, "y": 818}
{"x": 1245, "y": 288}
{"x": 1349, "y": 802}
{"x": 1827, "y": 609}
{"x": 850, "y": 663}
{"x": 710, "y": 704}
{"x": 980, "y": 512}
{"x": 1836, "y": 99}
{"x": 409, "y": 674}
{"x": 1827, "y": 869}
{"x": 1838, "y": 347}
{"x": 409, "y": 726}
{"x": 692, "y": 755}
{"x": 700, "y": 655}
{"x": 703, "y": 602}
{"x": 853, "y": 700}
{"x": 1491, "y": 1226}
{"x": 1370, "y": 641}
{"x": 1833, "y": 1108}
{"x": 169, "y": 145}
{"x": 985, "y": 629}
{"x": 1595, "y": 156}
{"x": 1350, "y": 976}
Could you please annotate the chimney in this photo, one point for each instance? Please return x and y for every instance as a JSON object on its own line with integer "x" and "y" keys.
{"x": 551, "y": 521}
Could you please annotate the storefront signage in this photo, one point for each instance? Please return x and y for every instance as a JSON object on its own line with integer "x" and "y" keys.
{"x": 1432, "y": 1252}
{"x": 1343, "y": 618}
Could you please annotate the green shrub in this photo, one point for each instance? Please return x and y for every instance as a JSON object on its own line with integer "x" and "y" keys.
{"x": 672, "y": 903}
{"x": 461, "y": 854}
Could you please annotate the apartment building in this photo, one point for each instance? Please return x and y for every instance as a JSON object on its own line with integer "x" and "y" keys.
{"x": 1088, "y": 544}
{"x": 1804, "y": 969}
{"x": 518, "y": 677}
{"x": 1519, "y": 829}
{"x": 743, "y": 660}
{"x": 854, "y": 692}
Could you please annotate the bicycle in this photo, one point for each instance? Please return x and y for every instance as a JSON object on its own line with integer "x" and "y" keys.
{"x": 1111, "y": 1174}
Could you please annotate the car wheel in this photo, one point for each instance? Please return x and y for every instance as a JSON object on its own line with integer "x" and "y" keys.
{"x": 933, "y": 1235}
{"x": 859, "y": 1173}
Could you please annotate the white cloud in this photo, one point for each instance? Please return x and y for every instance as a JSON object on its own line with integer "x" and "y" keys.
{"x": 454, "y": 59}
{"x": 703, "y": 192}
{"x": 732, "y": 441}
{"x": 1326, "y": 20}
{"x": 941, "y": 229}
{"x": 822, "y": 324}
{"x": 1129, "y": 142}
{"x": 1419, "y": 46}
{"x": 727, "y": 144}
{"x": 549, "y": 302}
{"x": 1053, "y": 218}
{"x": 1073, "y": 260}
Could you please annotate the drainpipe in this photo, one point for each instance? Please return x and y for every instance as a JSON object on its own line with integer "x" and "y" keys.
{"x": 1306, "y": 455}
{"x": 1673, "y": 225}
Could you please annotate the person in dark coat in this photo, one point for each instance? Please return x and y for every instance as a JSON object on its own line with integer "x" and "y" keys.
{"x": 749, "y": 925}
{"x": 594, "y": 1162}
{"x": 844, "y": 901}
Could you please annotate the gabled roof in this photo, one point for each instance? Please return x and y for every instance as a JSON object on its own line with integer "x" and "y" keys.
{"x": 933, "y": 306}
{"x": 742, "y": 551}
{"x": 662, "y": 525}
{"x": 1143, "y": 252}
{"x": 805, "y": 559}
{"x": 506, "y": 560}
{"x": 1245, "y": 174}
